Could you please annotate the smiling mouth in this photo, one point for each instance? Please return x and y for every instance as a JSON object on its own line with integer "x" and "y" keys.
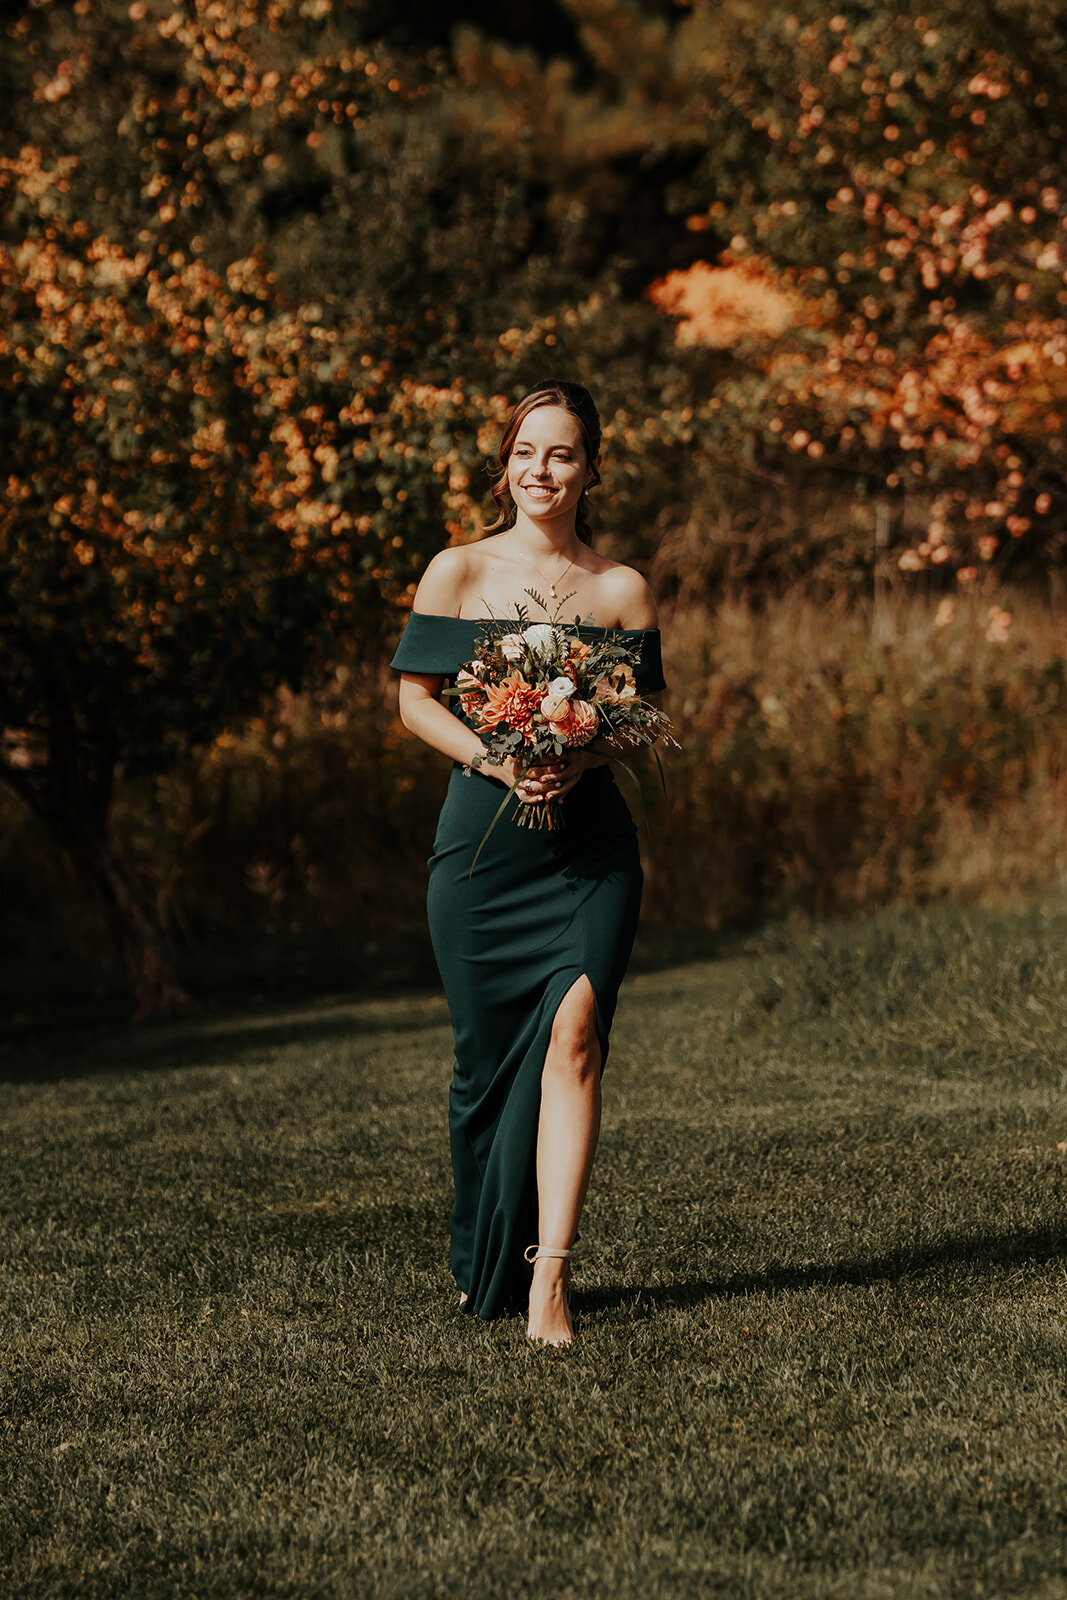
{"x": 539, "y": 489}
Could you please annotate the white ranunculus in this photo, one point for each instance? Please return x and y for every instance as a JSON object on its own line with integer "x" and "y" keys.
{"x": 540, "y": 638}
{"x": 512, "y": 646}
{"x": 562, "y": 687}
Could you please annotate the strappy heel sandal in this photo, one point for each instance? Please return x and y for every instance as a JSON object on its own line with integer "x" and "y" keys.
{"x": 538, "y": 1252}
{"x": 534, "y": 1252}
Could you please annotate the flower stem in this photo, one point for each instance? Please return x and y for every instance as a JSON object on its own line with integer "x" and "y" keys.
{"x": 544, "y": 815}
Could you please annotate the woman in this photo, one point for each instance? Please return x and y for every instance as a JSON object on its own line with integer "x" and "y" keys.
{"x": 533, "y": 945}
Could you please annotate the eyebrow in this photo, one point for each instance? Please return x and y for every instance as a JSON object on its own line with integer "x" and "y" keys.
{"x": 528, "y": 444}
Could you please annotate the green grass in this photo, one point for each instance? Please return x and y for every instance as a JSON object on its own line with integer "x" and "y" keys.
{"x": 820, "y": 1291}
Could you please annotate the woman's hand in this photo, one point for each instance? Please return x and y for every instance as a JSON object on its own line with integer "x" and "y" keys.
{"x": 535, "y": 781}
{"x": 551, "y": 780}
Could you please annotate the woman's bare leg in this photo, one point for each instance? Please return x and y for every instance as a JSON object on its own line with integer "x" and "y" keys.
{"x": 567, "y": 1133}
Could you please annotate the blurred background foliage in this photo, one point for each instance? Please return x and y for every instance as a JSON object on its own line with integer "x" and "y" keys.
{"x": 272, "y": 272}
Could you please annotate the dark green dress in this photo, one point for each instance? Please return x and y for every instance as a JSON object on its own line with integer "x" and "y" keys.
{"x": 541, "y": 910}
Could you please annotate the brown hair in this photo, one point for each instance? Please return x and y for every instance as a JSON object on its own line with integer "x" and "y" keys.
{"x": 549, "y": 392}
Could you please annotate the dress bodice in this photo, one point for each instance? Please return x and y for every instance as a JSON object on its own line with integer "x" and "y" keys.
{"x": 434, "y": 644}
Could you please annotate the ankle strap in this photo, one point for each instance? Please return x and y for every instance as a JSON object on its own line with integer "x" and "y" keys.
{"x": 535, "y": 1252}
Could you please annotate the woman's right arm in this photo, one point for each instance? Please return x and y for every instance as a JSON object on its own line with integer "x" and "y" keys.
{"x": 424, "y": 714}
{"x": 422, "y": 710}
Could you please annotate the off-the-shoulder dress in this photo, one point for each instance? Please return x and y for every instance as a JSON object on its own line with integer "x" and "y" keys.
{"x": 541, "y": 909}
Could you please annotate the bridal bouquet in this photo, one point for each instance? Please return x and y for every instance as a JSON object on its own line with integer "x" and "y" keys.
{"x": 535, "y": 691}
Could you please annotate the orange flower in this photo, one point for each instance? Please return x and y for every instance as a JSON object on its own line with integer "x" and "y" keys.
{"x": 615, "y": 687}
{"x": 513, "y": 701}
{"x": 581, "y": 724}
{"x": 555, "y": 708}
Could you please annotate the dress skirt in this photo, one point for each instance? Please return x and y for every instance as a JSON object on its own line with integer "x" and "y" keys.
{"x": 541, "y": 910}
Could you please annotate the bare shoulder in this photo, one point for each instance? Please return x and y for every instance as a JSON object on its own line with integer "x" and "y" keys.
{"x": 442, "y": 584}
{"x": 629, "y": 594}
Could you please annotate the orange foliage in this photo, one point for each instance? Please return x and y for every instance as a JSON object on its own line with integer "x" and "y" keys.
{"x": 718, "y": 306}
{"x": 902, "y": 199}
{"x": 965, "y": 413}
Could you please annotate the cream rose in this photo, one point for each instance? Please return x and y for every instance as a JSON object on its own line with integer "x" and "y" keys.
{"x": 562, "y": 687}
{"x": 540, "y": 638}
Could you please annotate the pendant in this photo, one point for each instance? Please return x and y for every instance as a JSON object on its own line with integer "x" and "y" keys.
{"x": 552, "y": 591}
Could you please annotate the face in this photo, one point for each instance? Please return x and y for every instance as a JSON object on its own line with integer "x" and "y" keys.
{"x": 547, "y": 467}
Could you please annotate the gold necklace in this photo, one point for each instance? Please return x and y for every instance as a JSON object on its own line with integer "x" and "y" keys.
{"x": 537, "y": 569}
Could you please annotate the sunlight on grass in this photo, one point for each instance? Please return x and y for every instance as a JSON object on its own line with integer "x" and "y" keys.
{"x": 819, "y": 1293}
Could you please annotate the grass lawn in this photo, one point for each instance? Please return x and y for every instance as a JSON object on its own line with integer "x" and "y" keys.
{"x": 820, "y": 1293}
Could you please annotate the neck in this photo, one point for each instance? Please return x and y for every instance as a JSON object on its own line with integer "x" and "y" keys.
{"x": 554, "y": 536}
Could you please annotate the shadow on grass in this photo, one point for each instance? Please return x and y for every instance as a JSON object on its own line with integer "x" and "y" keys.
{"x": 63, "y": 1020}
{"x": 203, "y": 1040}
{"x": 1033, "y": 1246}
{"x": 265, "y": 1005}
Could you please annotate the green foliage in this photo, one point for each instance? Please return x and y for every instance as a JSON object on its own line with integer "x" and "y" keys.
{"x": 818, "y": 1294}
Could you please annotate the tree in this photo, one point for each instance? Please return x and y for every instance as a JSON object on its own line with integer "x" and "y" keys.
{"x": 893, "y": 290}
{"x": 170, "y": 548}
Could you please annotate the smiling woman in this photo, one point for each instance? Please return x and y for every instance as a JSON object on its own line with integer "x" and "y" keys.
{"x": 532, "y": 929}
{"x": 548, "y": 458}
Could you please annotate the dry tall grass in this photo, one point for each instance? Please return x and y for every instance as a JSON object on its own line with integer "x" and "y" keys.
{"x": 832, "y": 759}
{"x": 836, "y": 755}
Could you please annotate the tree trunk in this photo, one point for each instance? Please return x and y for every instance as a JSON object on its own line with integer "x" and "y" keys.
{"x": 138, "y": 943}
